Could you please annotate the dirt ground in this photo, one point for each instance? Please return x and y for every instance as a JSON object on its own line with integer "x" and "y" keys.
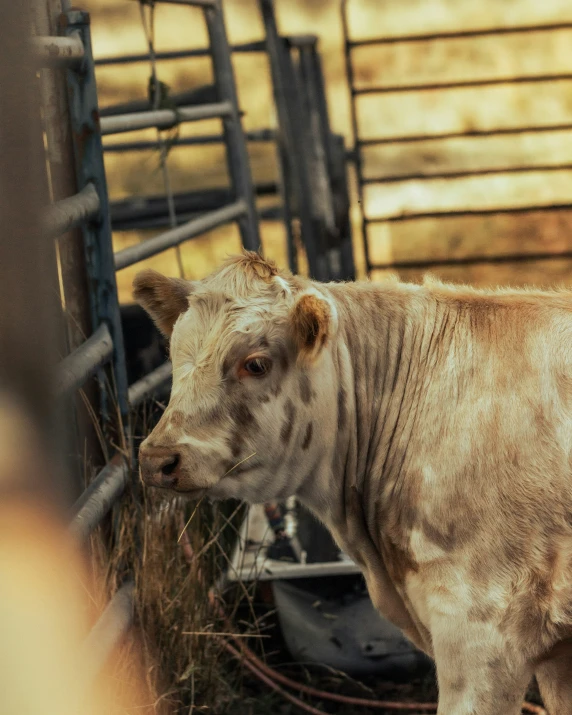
{"x": 256, "y": 698}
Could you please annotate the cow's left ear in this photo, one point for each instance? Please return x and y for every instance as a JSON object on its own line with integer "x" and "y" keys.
{"x": 163, "y": 298}
{"x": 313, "y": 321}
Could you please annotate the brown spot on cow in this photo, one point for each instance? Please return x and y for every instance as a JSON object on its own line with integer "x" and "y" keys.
{"x": 398, "y": 561}
{"x": 227, "y": 465}
{"x": 288, "y": 426}
{"x": 242, "y": 415}
{"x": 307, "y": 436}
{"x": 342, "y": 409}
{"x": 563, "y": 381}
{"x": 447, "y": 539}
{"x": 305, "y": 388}
{"x": 457, "y": 683}
{"x": 236, "y": 442}
{"x": 482, "y": 613}
{"x": 178, "y": 419}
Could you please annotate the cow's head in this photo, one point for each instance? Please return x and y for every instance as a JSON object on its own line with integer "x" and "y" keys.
{"x": 252, "y": 397}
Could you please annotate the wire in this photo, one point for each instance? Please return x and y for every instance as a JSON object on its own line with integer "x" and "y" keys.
{"x": 271, "y": 673}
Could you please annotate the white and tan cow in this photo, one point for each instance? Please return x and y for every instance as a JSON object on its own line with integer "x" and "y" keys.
{"x": 429, "y": 427}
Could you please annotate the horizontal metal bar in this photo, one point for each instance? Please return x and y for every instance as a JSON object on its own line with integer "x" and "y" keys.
{"x": 260, "y": 135}
{"x": 58, "y": 51}
{"x": 199, "y": 202}
{"x": 99, "y": 497}
{"x": 84, "y": 361}
{"x": 461, "y": 84}
{"x": 468, "y": 212}
{"x": 259, "y": 46}
{"x": 192, "y": 3}
{"x": 146, "y": 249}
{"x": 163, "y": 118}
{"x": 270, "y": 570}
{"x": 472, "y": 260}
{"x": 460, "y": 34}
{"x": 302, "y": 40}
{"x": 67, "y": 213}
{"x": 466, "y": 173}
{"x": 469, "y": 134}
{"x": 146, "y": 386}
{"x": 106, "y": 634}
{"x": 272, "y": 212}
{"x": 203, "y": 94}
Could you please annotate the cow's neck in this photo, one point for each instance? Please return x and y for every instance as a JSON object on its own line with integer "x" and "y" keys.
{"x": 389, "y": 341}
{"x": 383, "y": 338}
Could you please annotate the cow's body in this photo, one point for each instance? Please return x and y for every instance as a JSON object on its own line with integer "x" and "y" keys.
{"x": 430, "y": 428}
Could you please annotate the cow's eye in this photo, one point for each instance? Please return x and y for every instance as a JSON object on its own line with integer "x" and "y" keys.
{"x": 257, "y": 367}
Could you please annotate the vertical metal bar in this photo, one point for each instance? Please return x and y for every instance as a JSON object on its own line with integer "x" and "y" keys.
{"x": 236, "y": 149}
{"x": 355, "y": 130}
{"x": 288, "y": 107}
{"x": 318, "y": 129}
{"x": 286, "y": 192}
{"x": 317, "y": 132}
{"x": 342, "y": 206}
{"x": 336, "y": 167}
{"x": 88, "y": 151}
{"x": 301, "y": 153}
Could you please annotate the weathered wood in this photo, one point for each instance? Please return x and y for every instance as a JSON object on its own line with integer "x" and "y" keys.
{"x": 474, "y": 58}
{"x": 28, "y": 318}
{"x": 461, "y": 110}
{"x": 468, "y": 154}
{"x": 441, "y": 239}
{"x": 472, "y": 193}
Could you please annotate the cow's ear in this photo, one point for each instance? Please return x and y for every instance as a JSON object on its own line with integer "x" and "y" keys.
{"x": 163, "y": 298}
{"x": 312, "y": 322}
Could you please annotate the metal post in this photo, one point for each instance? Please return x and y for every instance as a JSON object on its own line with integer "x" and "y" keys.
{"x": 96, "y": 234}
{"x": 342, "y": 206}
{"x": 357, "y": 149}
{"x": 237, "y": 153}
{"x": 317, "y": 135}
{"x": 290, "y": 129}
{"x": 287, "y": 192}
{"x": 331, "y": 159}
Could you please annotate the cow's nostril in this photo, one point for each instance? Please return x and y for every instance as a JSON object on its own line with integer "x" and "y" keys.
{"x": 168, "y": 468}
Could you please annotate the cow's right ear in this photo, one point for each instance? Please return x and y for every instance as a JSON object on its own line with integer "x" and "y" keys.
{"x": 163, "y": 298}
{"x": 313, "y": 321}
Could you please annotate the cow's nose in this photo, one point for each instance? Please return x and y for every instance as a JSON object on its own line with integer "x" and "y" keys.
{"x": 159, "y": 466}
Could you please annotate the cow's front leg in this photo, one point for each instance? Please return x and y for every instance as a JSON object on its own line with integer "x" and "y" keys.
{"x": 554, "y": 676}
{"x": 478, "y": 673}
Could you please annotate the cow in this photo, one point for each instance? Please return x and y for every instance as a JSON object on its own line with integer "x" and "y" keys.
{"x": 429, "y": 427}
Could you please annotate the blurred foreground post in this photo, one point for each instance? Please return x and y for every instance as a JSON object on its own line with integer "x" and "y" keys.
{"x": 28, "y": 281}
{"x": 43, "y": 614}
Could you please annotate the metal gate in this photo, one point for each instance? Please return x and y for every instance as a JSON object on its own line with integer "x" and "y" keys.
{"x": 314, "y": 192}
{"x": 312, "y": 185}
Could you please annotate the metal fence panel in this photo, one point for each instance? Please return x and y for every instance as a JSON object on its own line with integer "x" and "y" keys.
{"x": 97, "y": 236}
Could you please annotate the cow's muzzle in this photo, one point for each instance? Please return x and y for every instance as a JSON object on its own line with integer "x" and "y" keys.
{"x": 160, "y": 466}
